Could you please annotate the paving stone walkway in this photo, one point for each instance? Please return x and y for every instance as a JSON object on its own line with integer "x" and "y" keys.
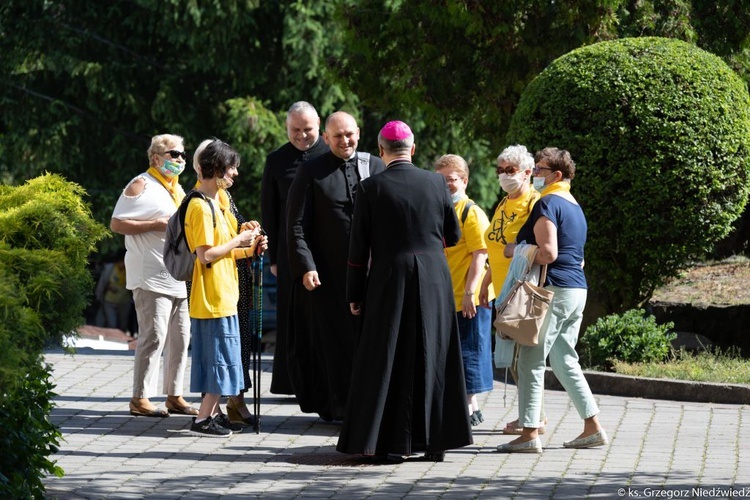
{"x": 658, "y": 449}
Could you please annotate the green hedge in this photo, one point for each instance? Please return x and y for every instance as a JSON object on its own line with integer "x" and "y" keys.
{"x": 660, "y": 132}
{"x": 47, "y": 235}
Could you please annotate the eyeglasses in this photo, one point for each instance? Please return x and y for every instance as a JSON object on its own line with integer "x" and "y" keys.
{"x": 509, "y": 170}
{"x": 176, "y": 154}
{"x": 537, "y": 168}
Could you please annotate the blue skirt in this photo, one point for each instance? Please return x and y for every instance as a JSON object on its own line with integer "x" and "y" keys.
{"x": 216, "y": 360}
{"x": 476, "y": 348}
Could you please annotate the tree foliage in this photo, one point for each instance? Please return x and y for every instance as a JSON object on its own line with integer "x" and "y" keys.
{"x": 470, "y": 61}
{"x": 85, "y": 85}
{"x": 660, "y": 132}
{"x": 466, "y": 62}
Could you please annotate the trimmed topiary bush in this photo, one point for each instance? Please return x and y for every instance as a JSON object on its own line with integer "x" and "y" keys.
{"x": 660, "y": 133}
{"x": 632, "y": 337}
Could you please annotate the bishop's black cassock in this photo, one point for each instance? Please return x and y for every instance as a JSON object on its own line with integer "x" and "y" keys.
{"x": 407, "y": 389}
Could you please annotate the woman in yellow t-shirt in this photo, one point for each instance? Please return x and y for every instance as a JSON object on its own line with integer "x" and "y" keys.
{"x": 466, "y": 261}
{"x": 514, "y": 166}
{"x": 215, "y": 339}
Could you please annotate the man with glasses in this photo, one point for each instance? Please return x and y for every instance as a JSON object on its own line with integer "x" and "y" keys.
{"x": 141, "y": 214}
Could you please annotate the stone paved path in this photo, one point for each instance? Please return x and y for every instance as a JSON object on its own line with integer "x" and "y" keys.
{"x": 658, "y": 449}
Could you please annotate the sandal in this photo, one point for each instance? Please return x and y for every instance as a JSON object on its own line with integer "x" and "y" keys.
{"x": 140, "y": 411}
{"x": 178, "y": 408}
{"x": 514, "y": 429}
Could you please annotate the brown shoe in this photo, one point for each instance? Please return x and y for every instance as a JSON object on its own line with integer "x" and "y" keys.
{"x": 178, "y": 408}
{"x": 143, "y": 411}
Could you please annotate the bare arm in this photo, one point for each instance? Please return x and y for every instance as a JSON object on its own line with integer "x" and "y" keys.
{"x": 478, "y": 258}
{"x": 546, "y": 239}
{"x": 131, "y": 227}
{"x": 207, "y": 254}
{"x": 484, "y": 291}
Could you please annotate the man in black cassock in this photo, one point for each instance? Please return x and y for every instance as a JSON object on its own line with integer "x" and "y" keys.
{"x": 407, "y": 390}
{"x": 303, "y": 130}
{"x": 322, "y": 332}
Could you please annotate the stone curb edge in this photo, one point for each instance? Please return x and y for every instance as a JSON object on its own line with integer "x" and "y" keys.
{"x": 612, "y": 384}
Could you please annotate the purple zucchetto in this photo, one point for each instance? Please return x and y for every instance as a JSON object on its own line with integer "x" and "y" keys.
{"x": 395, "y": 131}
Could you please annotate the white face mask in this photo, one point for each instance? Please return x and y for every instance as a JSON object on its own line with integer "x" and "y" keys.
{"x": 511, "y": 183}
{"x": 456, "y": 197}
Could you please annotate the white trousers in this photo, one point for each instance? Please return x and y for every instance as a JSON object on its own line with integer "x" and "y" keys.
{"x": 163, "y": 326}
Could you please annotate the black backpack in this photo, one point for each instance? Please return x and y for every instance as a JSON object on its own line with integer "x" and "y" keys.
{"x": 178, "y": 258}
{"x": 465, "y": 212}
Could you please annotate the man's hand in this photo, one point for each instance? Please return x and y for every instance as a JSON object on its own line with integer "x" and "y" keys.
{"x": 310, "y": 280}
{"x": 355, "y": 308}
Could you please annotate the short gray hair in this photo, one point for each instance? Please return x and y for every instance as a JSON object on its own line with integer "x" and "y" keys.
{"x": 517, "y": 156}
{"x": 301, "y": 107}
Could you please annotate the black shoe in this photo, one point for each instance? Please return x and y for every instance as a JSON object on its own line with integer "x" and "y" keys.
{"x": 476, "y": 418}
{"x": 382, "y": 459}
{"x": 434, "y": 456}
{"x": 223, "y": 421}
{"x": 326, "y": 417}
{"x": 208, "y": 428}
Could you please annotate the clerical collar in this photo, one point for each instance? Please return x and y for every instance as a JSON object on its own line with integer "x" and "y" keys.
{"x": 398, "y": 161}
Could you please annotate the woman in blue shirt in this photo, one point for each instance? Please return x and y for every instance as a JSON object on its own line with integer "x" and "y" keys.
{"x": 558, "y": 227}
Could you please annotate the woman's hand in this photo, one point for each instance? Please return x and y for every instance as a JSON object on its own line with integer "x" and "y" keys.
{"x": 249, "y": 225}
{"x": 469, "y": 309}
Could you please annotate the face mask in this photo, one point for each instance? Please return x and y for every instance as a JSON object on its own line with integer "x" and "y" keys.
{"x": 539, "y": 183}
{"x": 221, "y": 183}
{"x": 171, "y": 169}
{"x": 510, "y": 183}
{"x": 456, "y": 197}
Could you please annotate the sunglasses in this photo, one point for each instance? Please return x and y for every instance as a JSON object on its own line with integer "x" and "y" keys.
{"x": 176, "y": 154}
{"x": 510, "y": 170}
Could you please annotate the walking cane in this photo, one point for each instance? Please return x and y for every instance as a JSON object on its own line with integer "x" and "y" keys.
{"x": 513, "y": 369}
{"x": 257, "y": 273}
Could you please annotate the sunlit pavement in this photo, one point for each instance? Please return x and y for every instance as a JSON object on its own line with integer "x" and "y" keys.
{"x": 658, "y": 448}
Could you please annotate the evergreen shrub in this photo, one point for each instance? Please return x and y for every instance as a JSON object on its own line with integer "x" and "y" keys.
{"x": 47, "y": 235}
{"x": 660, "y": 133}
{"x": 631, "y": 337}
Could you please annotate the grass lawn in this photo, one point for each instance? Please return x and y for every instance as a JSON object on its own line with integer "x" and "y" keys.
{"x": 724, "y": 367}
{"x": 724, "y": 282}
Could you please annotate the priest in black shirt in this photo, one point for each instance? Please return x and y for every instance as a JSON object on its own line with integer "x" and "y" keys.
{"x": 303, "y": 130}
{"x": 322, "y": 332}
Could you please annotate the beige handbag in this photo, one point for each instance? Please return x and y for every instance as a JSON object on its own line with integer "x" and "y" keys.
{"x": 522, "y": 313}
